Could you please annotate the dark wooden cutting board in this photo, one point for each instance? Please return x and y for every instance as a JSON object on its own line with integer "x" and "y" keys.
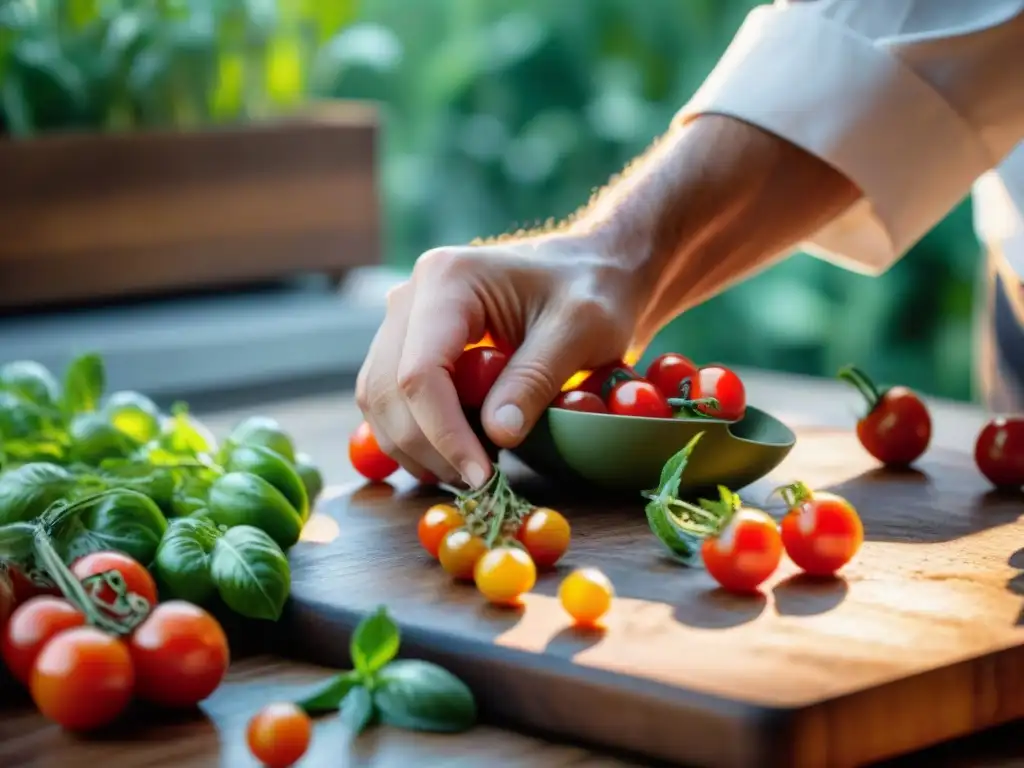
{"x": 921, "y": 641}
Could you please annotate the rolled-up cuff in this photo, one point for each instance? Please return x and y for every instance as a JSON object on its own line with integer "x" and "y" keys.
{"x": 855, "y": 105}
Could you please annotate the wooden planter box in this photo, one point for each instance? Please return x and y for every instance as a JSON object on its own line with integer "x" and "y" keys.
{"x": 101, "y": 216}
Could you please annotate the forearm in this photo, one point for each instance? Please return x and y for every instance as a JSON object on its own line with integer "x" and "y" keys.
{"x": 711, "y": 203}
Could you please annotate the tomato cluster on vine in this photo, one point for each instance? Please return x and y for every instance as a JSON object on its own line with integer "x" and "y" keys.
{"x": 83, "y": 672}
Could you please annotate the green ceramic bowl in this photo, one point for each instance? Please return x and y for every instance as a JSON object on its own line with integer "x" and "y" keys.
{"x": 626, "y": 453}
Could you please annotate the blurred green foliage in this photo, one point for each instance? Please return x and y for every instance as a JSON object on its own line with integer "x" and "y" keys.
{"x": 498, "y": 114}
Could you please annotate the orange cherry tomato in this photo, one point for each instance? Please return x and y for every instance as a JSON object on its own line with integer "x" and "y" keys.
{"x": 504, "y": 574}
{"x": 897, "y": 428}
{"x": 32, "y": 625}
{"x": 459, "y": 553}
{"x": 366, "y": 456}
{"x": 279, "y": 734}
{"x": 180, "y": 654}
{"x": 435, "y": 524}
{"x": 136, "y": 578}
{"x": 545, "y": 533}
{"x": 586, "y": 594}
{"x": 82, "y": 679}
{"x": 745, "y": 553}
{"x": 821, "y": 532}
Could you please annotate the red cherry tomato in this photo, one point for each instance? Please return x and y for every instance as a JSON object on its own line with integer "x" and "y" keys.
{"x": 279, "y": 734}
{"x": 821, "y": 532}
{"x": 578, "y": 400}
{"x": 722, "y": 384}
{"x": 639, "y": 398}
{"x": 669, "y": 371}
{"x": 545, "y": 533}
{"x": 180, "y": 655}
{"x": 745, "y": 553}
{"x": 999, "y": 451}
{"x": 32, "y": 625}
{"x": 366, "y": 456}
{"x": 25, "y": 588}
{"x": 598, "y": 378}
{"x": 475, "y": 372}
{"x": 897, "y": 427}
{"x": 136, "y": 578}
{"x": 82, "y": 679}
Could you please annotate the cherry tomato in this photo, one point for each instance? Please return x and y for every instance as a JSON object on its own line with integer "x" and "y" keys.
{"x": 745, "y": 553}
{"x": 136, "y": 578}
{"x": 821, "y": 532}
{"x": 428, "y": 479}
{"x": 435, "y": 524}
{"x": 504, "y": 574}
{"x": 279, "y": 734}
{"x": 366, "y": 456}
{"x": 545, "y": 533}
{"x": 669, "y": 371}
{"x": 180, "y": 655}
{"x": 722, "y": 384}
{"x": 7, "y": 599}
{"x": 489, "y": 340}
{"x": 578, "y": 400}
{"x": 32, "y": 625}
{"x": 897, "y": 427}
{"x": 459, "y": 553}
{"x": 586, "y": 595}
{"x": 596, "y": 380}
{"x": 999, "y": 451}
{"x": 82, "y": 679}
{"x": 475, "y": 372}
{"x": 25, "y": 588}
{"x": 639, "y": 398}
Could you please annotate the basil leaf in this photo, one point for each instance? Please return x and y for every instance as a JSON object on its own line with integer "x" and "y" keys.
{"x": 133, "y": 414}
{"x": 672, "y": 472}
{"x": 684, "y": 545}
{"x": 374, "y": 643}
{"x": 251, "y": 573}
{"x": 184, "y": 435}
{"x": 26, "y": 492}
{"x": 310, "y": 475}
{"x": 30, "y": 380}
{"x": 265, "y": 431}
{"x": 422, "y": 696}
{"x": 275, "y": 469}
{"x": 126, "y": 521}
{"x": 242, "y": 498}
{"x": 182, "y": 564}
{"x": 84, "y": 383}
{"x": 156, "y": 482}
{"x": 20, "y": 418}
{"x": 327, "y": 697}
{"x": 357, "y": 710}
{"x": 94, "y": 440}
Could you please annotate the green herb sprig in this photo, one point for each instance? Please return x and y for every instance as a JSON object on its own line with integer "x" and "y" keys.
{"x": 406, "y": 693}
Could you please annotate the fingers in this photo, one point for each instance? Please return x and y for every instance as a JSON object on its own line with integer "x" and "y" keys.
{"x": 445, "y": 316}
{"x": 552, "y": 352}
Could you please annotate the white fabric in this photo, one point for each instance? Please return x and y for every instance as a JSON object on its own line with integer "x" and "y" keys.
{"x": 913, "y": 100}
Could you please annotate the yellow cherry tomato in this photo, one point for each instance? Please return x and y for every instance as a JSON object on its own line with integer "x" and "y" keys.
{"x": 545, "y": 534}
{"x": 459, "y": 553}
{"x": 504, "y": 574}
{"x": 586, "y": 595}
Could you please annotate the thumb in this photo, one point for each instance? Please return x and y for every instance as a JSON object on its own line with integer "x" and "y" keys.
{"x": 552, "y": 352}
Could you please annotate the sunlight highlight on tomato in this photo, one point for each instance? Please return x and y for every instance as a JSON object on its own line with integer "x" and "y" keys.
{"x": 722, "y": 384}
{"x": 745, "y": 553}
{"x": 639, "y": 398}
{"x": 459, "y": 553}
{"x": 436, "y": 523}
{"x": 82, "y": 679}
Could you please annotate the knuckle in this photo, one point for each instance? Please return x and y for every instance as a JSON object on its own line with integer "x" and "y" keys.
{"x": 411, "y": 379}
{"x": 439, "y": 262}
{"x": 591, "y": 310}
{"x": 397, "y": 294}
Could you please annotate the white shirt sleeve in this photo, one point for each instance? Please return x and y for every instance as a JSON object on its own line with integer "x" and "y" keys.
{"x": 912, "y": 100}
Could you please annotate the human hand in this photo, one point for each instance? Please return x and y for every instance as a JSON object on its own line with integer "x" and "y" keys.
{"x": 562, "y": 304}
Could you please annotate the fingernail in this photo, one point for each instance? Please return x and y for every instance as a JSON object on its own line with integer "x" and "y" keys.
{"x": 510, "y": 419}
{"x": 473, "y": 474}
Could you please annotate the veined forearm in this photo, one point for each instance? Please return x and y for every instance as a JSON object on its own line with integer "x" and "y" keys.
{"x": 711, "y": 203}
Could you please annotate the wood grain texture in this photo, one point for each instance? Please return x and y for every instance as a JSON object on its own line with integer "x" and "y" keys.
{"x": 921, "y": 641}
{"x": 89, "y": 217}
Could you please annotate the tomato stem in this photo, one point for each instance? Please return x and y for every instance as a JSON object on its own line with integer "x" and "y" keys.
{"x": 692, "y": 407}
{"x": 855, "y": 376}
{"x": 793, "y": 494}
{"x": 616, "y": 377}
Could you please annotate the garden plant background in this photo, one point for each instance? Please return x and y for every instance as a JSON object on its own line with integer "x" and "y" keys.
{"x": 497, "y": 114}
